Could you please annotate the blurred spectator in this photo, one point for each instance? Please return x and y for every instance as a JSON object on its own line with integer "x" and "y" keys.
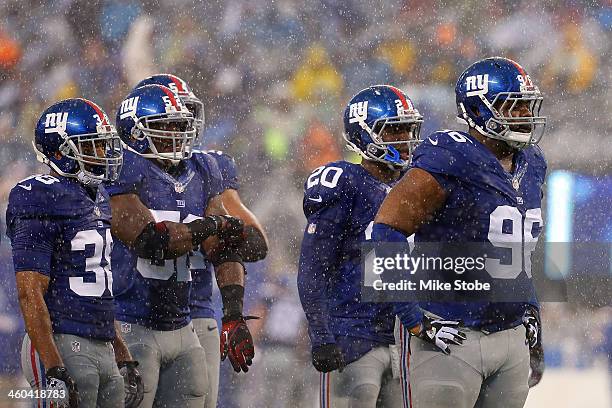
{"x": 317, "y": 77}
{"x": 573, "y": 66}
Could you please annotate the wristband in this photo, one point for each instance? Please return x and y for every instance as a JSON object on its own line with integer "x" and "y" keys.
{"x": 233, "y": 298}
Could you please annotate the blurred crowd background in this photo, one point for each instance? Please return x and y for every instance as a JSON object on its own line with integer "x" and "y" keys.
{"x": 274, "y": 77}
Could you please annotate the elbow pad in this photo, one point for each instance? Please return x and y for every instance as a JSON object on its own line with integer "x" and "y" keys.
{"x": 152, "y": 243}
{"x": 254, "y": 247}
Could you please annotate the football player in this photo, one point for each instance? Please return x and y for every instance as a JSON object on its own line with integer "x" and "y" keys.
{"x": 255, "y": 245}
{"x": 59, "y": 225}
{"x": 482, "y": 186}
{"x": 352, "y": 341}
{"x": 165, "y": 206}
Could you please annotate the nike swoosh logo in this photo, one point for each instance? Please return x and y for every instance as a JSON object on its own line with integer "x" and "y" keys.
{"x": 318, "y": 199}
{"x": 28, "y": 187}
{"x": 435, "y": 143}
{"x": 212, "y": 328}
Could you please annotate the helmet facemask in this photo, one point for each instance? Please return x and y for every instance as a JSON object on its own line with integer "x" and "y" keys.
{"x": 517, "y": 131}
{"x": 165, "y": 143}
{"x": 387, "y": 152}
{"x": 99, "y": 156}
{"x": 196, "y": 107}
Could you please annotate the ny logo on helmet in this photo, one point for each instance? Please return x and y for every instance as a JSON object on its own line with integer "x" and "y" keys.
{"x": 477, "y": 85}
{"x": 56, "y": 122}
{"x": 358, "y": 112}
{"x": 128, "y": 108}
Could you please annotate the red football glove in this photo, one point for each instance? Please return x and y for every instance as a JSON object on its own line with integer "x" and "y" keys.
{"x": 237, "y": 343}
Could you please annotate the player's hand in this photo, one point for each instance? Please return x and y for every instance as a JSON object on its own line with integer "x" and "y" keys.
{"x": 533, "y": 338}
{"x": 236, "y": 342}
{"x": 231, "y": 230}
{"x": 59, "y": 382}
{"x": 441, "y": 333}
{"x": 533, "y": 327}
{"x": 536, "y": 365}
{"x": 327, "y": 357}
{"x": 132, "y": 382}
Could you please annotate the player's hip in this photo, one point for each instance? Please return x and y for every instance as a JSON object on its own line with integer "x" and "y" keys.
{"x": 483, "y": 352}
{"x": 82, "y": 356}
{"x": 167, "y": 345}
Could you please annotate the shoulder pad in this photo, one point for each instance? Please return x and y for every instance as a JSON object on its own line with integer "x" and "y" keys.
{"x": 227, "y": 167}
{"x": 43, "y": 195}
{"x": 206, "y": 165}
{"x": 330, "y": 185}
{"x": 132, "y": 173}
{"x": 447, "y": 152}
{"x": 535, "y": 157}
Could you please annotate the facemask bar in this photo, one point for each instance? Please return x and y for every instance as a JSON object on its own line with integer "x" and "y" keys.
{"x": 182, "y": 140}
{"x": 196, "y": 107}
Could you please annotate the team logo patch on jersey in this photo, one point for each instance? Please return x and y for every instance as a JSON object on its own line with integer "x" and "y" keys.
{"x": 477, "y": 85}
{"x": 76, "y": 346}
{"x": 312, "y": 228}
{"x": 126, "y": 327}
{"x": 358, "y": 112}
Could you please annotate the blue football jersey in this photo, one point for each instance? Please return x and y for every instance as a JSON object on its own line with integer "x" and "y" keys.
{"x": 202, "y": 286}
{"x": 155, "y": 296}
{"x": 485, "y": 204}
{"x": 341, "y": 200}
{"x": 61, "y": 229}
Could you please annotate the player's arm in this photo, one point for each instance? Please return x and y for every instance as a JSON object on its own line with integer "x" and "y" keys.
{"x": 31, "y": 289}
{"x": 318, "y": 261}
{"x": 409, "y": 204}
{"x": 222, "y": 250}
{"x": 122, "y": 353}
{"x": 134, "y": 224}
{"x": 255, "y": 246}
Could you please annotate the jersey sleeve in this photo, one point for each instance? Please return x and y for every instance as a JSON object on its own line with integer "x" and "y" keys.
{"x": 33, "y": 236}
{"x": 444, "y": 157}
{"x": 130, "y": 178}
{"x": 229, "y": 172}
{"x": 327, "y": 205}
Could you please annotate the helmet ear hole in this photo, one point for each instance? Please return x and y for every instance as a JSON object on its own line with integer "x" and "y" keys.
{"x": 475, "y": 110}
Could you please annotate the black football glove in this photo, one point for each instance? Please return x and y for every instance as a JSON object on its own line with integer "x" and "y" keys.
{"x": 441, "y": 333}
{"x": 327, "y": 357}
{"x": 231, "y": 231}
{"x": 59, "y": 382}
{"x": 236, "y": 342}
{"x": 533, "y": 338}
{"x": 132, "y": 382}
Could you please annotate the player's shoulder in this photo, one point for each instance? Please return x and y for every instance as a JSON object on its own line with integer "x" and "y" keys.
{"x": 331, "y": 184}
{"x": 535, "y": 157}
{"x": 43, "y": 195}
{"x": 451, "y": 140}
{"x": 204, "y": 161}
{"x": 223, "y": 159}
{"x": 449, "y": 152}
{"x": 133, "y": 164}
